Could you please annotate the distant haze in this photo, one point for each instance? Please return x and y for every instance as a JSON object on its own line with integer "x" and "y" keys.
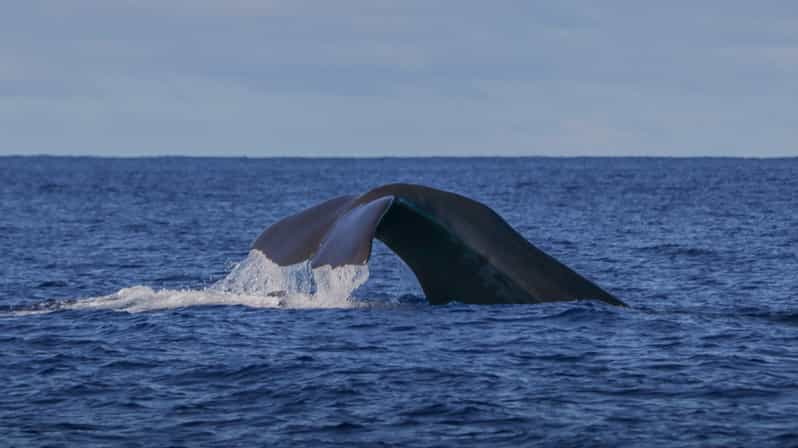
{"x": 411, "y": 77}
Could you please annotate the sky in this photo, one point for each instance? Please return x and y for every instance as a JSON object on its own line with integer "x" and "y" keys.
{"x": 399, "y": 78}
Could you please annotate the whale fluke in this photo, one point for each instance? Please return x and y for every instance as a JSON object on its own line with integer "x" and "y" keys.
{"x": 458, "y": 248}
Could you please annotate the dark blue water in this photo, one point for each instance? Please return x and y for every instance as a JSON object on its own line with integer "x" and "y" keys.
{"x": 113, "y": 333}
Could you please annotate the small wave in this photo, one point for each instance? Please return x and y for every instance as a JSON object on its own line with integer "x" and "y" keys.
{"x": 786, "y": 317}
{"x": 52, "y": 284}
{"x": 255, "y": 282}
{"x": 677, "y": 250}
{"x": 578, "y": 311}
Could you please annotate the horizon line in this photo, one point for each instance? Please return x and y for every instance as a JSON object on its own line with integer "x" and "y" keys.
{"x": 426, "y": 156}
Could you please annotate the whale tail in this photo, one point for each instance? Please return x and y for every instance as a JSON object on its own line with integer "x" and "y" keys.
{"x": 458, "y": 248}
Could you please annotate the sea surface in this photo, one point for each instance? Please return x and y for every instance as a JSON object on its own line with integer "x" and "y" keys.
{"x": 132, "y": 312}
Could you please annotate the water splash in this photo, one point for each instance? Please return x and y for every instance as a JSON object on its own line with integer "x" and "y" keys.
{"x": 255, "y": 282}
{"x": 295, "y": 286}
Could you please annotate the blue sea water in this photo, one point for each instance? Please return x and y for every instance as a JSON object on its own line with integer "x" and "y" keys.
{"x": 132, "y": 314}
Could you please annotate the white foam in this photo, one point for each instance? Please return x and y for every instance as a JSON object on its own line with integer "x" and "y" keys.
{"x": 255, "y": 282}
{"x": 143, "y": 298}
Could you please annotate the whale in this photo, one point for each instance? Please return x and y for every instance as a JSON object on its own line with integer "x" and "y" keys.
{"x": 458, "y": 248}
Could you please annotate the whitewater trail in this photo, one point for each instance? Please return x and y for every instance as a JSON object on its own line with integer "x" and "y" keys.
{"x": 254, "y": 282}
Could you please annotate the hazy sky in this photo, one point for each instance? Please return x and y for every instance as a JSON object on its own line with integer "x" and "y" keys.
{"x": 292, "y": 77}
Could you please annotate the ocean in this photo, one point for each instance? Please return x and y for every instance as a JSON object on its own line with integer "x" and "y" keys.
{"x": 132, "y": 312}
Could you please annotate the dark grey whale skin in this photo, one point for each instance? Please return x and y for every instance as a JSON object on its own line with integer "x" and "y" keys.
{"x": 458, "y": 248}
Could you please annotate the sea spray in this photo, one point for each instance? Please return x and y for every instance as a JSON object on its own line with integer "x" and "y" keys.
{"x": 254, "y": 282}
{"x": 258, "y": 275}
{"x": 296, "y": 286}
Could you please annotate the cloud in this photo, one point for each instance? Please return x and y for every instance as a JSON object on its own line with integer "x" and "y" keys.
{"x": 382, "y": 77}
